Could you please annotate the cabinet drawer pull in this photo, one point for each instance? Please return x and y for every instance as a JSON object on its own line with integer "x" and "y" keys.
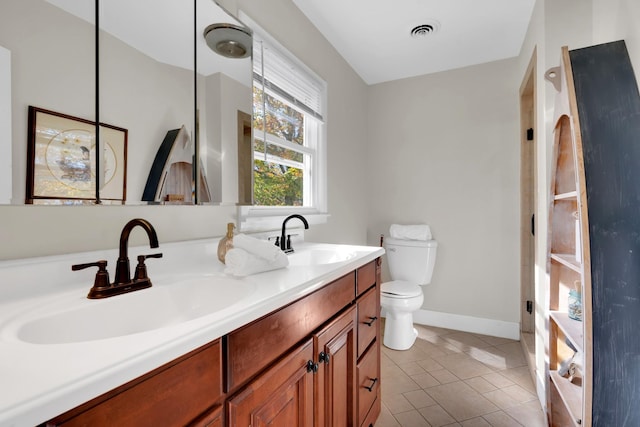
{"x": 371, "y": 320}
{"x": 373, "y": 382}
{"x": 324, "y": 357}
{"x": 312, "y": 367}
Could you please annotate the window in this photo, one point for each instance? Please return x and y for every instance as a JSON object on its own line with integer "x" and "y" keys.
{"x": 288, "y": 130}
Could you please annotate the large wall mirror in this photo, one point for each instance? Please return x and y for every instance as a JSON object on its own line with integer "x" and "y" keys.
{"x": 156, "y": 84}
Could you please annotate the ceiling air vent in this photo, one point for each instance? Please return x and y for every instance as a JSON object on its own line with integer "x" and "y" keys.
{"x": 424, "y": 30}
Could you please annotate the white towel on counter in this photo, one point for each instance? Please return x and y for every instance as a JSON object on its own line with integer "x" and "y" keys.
{"x": 240, "y": 263}
{"x": 410, "y": 232}
{"x": 261, "y": 248}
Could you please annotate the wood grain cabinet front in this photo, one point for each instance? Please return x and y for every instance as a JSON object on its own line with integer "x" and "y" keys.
{"x": 368, "y": 383}
{"x": 253, "y": 347}
{"x": 368, "y": 319}
{"x": 281, "y": 396}
{"x": 173, "y": 395}
{"x": 336, "y": 377}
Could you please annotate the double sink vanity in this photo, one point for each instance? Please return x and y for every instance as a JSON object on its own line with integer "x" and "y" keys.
{"x": 295, "y": 346}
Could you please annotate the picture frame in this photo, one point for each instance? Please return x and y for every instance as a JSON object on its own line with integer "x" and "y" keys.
{"x": 61, "y": 160}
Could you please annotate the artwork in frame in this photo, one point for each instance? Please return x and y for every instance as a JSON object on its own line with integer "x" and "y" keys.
{"x": 61, "y": 160}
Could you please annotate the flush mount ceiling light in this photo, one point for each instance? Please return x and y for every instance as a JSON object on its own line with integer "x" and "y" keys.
{"x": 231, "y": 41}
{"x": 423, "y": 30}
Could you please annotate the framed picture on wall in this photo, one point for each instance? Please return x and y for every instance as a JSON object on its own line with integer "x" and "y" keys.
{"x": 61, "y": 160}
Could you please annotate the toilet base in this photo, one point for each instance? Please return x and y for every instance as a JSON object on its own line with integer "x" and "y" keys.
{"x": 399, "y": 333}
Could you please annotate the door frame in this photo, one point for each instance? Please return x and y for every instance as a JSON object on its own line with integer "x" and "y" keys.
{"x": 528, "y": 194}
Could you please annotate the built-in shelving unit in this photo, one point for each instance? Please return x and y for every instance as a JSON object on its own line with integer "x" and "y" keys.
{"x": 594, "y": 223}
{"x": 569, "y": 395}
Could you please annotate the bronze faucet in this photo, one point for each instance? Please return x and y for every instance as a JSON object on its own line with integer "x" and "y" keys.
{"x": 123, "y": 282}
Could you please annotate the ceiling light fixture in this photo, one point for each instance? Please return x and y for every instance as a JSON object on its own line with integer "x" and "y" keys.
{"x": 231, "y": 41}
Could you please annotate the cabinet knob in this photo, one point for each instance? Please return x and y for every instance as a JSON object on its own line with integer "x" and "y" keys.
{"x": 373, "y": 383}
{"x": 371, "y": 320}
{"x": 312, "y": 367}
{"x": 324, "y": 357}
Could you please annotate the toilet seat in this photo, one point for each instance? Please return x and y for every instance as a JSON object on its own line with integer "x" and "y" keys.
{"x": 400, "y": 289}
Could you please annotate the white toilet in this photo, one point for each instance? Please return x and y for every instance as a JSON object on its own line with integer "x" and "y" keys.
{"x": 410, "y": 265}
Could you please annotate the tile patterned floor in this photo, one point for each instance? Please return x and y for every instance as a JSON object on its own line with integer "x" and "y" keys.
{"x": 452, "y": 378}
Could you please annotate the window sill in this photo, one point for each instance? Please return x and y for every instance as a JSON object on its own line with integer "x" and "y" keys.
{"x": 260, "y": 218}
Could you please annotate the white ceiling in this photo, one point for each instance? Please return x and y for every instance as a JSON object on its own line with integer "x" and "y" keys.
{"x": 374, "y": 37}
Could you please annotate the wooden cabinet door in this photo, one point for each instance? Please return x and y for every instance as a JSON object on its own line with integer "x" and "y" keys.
{"x": 281, "y": 396}
{"x": 335, "y": 379}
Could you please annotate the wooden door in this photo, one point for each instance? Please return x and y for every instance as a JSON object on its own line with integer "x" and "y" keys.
{"x": 281, "y": 396}
{"x": 335, "y": 379}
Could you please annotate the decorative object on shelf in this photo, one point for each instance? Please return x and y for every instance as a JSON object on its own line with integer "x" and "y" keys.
{"x": 575, "y": 302}
{"x": 172, "y": 173}
{"x": 576, "y": 218}
{"x": 61, "y": 159}
{"x": 226, "y": 242}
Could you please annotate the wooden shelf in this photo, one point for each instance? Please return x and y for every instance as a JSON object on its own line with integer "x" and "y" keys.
{"x": 571, "y": 396}
{"x": 572, "y": 329}
{"x": 565, "y": 196}
{"x": 568, "y": 260}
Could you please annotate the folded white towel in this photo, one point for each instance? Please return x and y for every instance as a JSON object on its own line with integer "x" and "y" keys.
{"x": 410, "y": 232}
{"x": 242, "y": 263}
{"x": 261, "y": 248}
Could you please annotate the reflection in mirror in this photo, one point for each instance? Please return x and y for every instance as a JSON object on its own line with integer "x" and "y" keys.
{"x": 146, "y": 85}
{"x": 48, "y": 56}
{"x": 223, "y": 90}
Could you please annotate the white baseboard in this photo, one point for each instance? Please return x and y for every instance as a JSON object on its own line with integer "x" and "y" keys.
{"x": 477, "y": 325}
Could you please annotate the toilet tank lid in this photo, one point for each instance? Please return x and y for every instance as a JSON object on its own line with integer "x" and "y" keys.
{"x": 414, "y": 243}
{"x": 400, "y": 288}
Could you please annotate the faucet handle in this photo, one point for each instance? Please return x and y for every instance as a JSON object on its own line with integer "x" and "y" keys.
{"x": 102, "y": 276}
{"x": 141, "y": 268}
{"x": 141, "y": 258}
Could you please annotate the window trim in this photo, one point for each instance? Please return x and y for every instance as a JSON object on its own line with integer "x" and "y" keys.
{"x": 261, "y": 218}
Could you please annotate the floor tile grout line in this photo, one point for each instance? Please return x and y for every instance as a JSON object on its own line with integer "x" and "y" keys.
{"x": 436, "y": 341}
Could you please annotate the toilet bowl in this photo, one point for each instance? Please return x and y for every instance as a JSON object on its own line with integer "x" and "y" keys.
{"x": 399, "y": 300}
{"x": 411, "y": 265}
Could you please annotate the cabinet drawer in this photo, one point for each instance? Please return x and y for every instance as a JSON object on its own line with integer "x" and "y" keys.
{"x": 366, "y": 277}
{"x": 368, "y": 383}
{"x": 373, "y": 415}
{"x": 368, "y": 319}
{"x": 253, "y": 347}
{"x": 172, "y": 395}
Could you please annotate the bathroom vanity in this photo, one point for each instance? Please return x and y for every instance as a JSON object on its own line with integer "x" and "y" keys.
{"x": 296, "y": 346}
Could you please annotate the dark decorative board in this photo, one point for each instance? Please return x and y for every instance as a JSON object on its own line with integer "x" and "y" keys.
{"x": 609, "y": 113}
{"x": 158, "y": 166}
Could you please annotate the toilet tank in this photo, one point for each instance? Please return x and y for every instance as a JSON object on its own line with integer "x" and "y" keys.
{"x": 411, "y": 260}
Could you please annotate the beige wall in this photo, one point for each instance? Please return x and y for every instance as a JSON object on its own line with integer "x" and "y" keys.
{"x": 615, "y": 20}
{"x": 443, "y": 150}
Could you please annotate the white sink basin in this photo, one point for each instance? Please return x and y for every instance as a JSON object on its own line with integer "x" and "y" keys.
{"x": 77, "y": 320}
{"x": 317, "y": 256}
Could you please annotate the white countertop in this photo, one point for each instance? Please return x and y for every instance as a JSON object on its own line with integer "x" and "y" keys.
{"x": 41, "y": 381}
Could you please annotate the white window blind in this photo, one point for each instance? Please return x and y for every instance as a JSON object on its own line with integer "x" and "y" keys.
{"x": 279, "y": 74}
